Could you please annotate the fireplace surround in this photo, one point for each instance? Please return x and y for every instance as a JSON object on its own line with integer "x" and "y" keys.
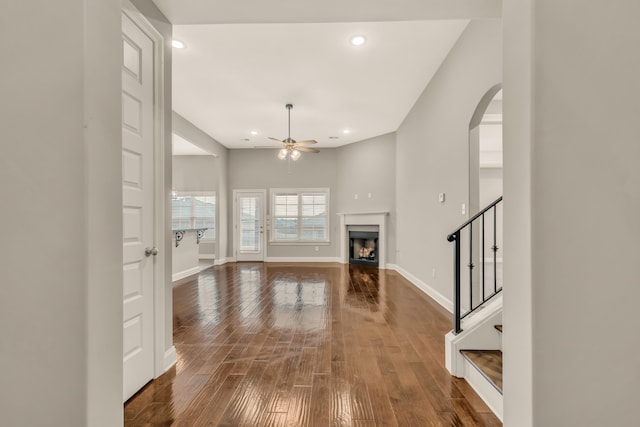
{"x": 364, "y": 221}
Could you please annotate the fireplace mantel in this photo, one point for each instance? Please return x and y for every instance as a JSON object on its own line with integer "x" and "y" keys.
{"x": 364, "y": 218}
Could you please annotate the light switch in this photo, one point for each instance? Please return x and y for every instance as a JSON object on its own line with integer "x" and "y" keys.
{"x": 441, "y": 197}
{"x": 464, "y": 209}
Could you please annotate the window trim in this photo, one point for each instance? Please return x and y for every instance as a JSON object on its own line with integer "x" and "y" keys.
{"x": 208, "y": 193}
{"x": 299, "y": 191}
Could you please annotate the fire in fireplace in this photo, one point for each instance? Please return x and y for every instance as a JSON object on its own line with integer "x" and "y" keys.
{"x": 363, "y": 248}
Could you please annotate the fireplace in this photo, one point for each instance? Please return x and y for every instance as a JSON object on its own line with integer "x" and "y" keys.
{"x": 363, "y": 248}
{"x": 364, "y": 222}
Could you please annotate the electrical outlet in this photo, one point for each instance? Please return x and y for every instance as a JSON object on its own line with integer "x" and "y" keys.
{"x": 317, "y": 248}
{"x": 464, "y": 208}
{"x": 369, "y": 195}
{"x": 355, "y": 196}
{"x": 441, "y": 197}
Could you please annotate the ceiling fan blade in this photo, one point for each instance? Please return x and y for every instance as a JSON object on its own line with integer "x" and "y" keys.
{"x": 276, "y": 139}
{"x": 309, "y": 142}
{"x": 306, "y": 149}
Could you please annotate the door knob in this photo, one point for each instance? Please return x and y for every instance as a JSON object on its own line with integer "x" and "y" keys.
{"x": 151, "y": 251}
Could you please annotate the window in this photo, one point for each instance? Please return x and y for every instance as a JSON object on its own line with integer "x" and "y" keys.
{"x": 194, "y": 210}
{"x": 299, "y": 216}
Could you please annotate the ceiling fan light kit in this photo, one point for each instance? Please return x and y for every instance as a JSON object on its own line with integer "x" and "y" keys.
{"x": 292, "y": 148}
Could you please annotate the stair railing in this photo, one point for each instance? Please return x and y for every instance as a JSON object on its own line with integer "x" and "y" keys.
{"x": 455, "y": 237}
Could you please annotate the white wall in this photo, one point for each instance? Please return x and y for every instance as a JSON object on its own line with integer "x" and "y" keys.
{"x": 369, "y": 167}
{"x": 360, "y": 168}
{"x": 572, "y": 203}
{"x": 199, "y": 173}
{"x": 195, "y": 173}
{"x": 185, "y": 256}
{"x": 490, "y": 185}
{"x": 211, "y": 173}
{"x": 60, "y": 161}
{"x": 432, "y": 154}
{"x": 254, "y": 169}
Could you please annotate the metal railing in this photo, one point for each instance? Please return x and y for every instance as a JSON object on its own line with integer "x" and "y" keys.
{"x": 479, "y": 286}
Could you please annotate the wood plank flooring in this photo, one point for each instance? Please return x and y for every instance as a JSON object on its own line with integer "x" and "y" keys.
{"x": 306, "y": 345}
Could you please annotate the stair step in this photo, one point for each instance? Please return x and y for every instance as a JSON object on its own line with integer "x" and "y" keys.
{"x": 489, "y": 363}
{"x": 499, "y": 328}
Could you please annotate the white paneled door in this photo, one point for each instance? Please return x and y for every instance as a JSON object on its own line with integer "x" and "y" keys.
{"x": 137, "y": 206}
{"x": 249, "y": 225}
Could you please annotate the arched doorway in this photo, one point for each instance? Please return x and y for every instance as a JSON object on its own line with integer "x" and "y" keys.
{"x": 485, "y": 151}
{"x": 485, "y": 186}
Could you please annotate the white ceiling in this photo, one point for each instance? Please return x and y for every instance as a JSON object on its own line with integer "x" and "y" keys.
{"x": 232, "y": 79}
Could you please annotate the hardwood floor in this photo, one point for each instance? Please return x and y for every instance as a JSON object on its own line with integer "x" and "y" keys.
{"x": 307, "y": 345}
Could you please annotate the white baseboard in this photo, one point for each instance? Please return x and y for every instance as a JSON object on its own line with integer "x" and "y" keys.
{"x": 170, "y": 358}
{"x": 185, "y": 273}
{"x": 487, "y": 392}
{"x": 301, "y": 259}
{"x": 223, "y": 261}
{"x": 437, "y": 296}
{"x": 207, "y": 256}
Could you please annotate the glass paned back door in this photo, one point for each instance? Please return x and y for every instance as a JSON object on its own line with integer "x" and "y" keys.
{"x": 250, "y": 226}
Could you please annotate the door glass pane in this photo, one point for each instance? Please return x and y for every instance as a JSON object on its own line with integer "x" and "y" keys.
{"x": 250, "y": 241}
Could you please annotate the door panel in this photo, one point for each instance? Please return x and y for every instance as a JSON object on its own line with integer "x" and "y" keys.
{"x": 137, "y": 206}
{"x": 249, "y": 225}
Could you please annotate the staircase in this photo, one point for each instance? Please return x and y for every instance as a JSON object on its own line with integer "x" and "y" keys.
{"x": 473, "y": 348}
{"x": 483, "y": 371}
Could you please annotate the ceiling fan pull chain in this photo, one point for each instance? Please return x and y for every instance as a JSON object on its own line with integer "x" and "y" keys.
{"x": 289, "y": 107}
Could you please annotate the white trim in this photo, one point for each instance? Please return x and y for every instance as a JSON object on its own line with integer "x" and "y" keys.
{"x": 364, "y": 213}
{"x": 300, "y": 243}
{"x": 487, "y": 391}
{"x": 263, "y": 220}
{"x": 299, "y": 191}
{"x": 223, "y": 261}
{"x": 478, "y": 332}
{"x": 364, "y": 218}
{"x": 203, "y": 193}
{"x": 170, "y": 358}
{"x": 159, "y": 287}
{"x": 435, "y": 295}
{"x": 302, "y": 259}
{"x": 491, "y": 119}
{"x": 185, "y": 273}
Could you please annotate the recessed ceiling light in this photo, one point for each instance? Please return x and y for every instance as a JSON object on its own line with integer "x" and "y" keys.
{"x": 334, "y": 137}
{"x": 358, "y": 40}
{"x": 254, "y": 132}
{"x": 177, "y": 44}
{"x": 346, "y": 131}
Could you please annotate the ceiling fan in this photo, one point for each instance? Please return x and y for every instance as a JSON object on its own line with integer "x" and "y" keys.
{"x": 292, "y": 148}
